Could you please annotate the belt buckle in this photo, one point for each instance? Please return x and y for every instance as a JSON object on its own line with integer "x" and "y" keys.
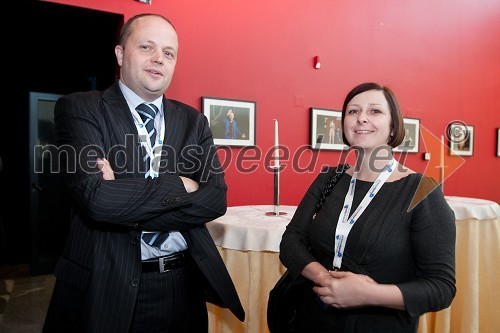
{"x": 162, "y": 263}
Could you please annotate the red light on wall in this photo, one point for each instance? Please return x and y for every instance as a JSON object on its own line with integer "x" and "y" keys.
{"x": 317, "y": 63}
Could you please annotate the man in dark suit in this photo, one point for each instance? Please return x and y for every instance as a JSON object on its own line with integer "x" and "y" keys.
{"x": 129, "y": 181}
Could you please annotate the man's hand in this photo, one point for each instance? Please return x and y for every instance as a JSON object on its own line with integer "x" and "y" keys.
{"x": 189, "y": 184}
{"x": 107, "y": 172}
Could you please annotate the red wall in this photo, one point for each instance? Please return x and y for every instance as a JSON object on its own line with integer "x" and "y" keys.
{"x": 441, "y": 58}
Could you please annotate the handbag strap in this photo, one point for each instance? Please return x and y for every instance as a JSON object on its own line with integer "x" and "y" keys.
{"x": 329, "y": 185}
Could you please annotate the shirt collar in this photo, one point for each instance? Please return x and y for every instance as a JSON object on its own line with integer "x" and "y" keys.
{"x": 133, "y": 100}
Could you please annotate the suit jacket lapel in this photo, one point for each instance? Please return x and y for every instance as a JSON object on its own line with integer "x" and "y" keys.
{"x": 124, "y": 137}
{"x": 176, "y": 131}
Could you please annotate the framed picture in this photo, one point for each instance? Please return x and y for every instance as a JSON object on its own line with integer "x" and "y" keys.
{"x": 232, "y": 121}
{"x": 498, "y": 142}
{"x": 410, "y": 143}
{"x": 461, "y": 139}
{"x": 326, "y": 129}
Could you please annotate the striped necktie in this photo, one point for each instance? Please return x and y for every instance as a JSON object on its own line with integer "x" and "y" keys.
{"x": 148, "y": 113}
{"x": 155, "y": 238}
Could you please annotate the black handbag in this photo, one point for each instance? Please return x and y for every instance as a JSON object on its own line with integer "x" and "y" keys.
{"x": 282, "y": 305}
{"x": 284, "y": 297}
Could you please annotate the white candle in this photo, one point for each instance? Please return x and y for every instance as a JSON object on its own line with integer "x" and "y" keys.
{"x": 441, "y": 157}
{"x": 441, "y": 161}
{"x": 276, "y": 145}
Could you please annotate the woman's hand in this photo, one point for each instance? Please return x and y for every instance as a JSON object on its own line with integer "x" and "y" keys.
{"x": 344, "y": 290}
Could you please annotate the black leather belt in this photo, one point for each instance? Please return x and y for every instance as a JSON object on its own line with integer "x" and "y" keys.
{"x": 165, "y": 264}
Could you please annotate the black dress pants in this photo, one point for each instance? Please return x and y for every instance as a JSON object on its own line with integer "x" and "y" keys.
{"x": 170, "y": 302}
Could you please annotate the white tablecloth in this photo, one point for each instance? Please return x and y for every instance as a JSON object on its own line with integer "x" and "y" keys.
{"x": 472, "y": 208}
{"x": 248, "y": 228}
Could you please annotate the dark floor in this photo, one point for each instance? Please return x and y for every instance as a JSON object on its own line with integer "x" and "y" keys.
{"x": 23, "y": 299}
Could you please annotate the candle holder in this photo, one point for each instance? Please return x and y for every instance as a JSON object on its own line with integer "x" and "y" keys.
{"x": 276, "y": 210}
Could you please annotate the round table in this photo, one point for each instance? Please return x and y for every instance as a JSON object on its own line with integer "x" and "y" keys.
{"x": 250, "y": 228}
{"x": 477, "y": 253}
{"x": 248, "y": 241}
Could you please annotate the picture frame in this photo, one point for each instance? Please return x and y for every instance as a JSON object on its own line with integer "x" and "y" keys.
{"x": 498, "y": 142}
{"x": 232, "y": 121}
{"x": 460, "y": 139}
{"x": 411, "y": 140}
{"x": 326, "y": 129}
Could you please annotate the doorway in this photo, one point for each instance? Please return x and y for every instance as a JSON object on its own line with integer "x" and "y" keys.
{"x": 66, "y": 49}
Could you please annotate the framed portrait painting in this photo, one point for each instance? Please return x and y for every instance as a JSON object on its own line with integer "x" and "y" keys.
{"x": 232, "y": 121}
{"x": 411, "y": 140}
{"x": 326, "y": 130}
{"x": 461, "y": 139}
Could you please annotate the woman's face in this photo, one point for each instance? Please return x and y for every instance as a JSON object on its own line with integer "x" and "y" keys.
{"x": 367, "y": 120}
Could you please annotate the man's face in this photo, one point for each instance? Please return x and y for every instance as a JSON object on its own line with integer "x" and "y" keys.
{"x": 149, "y": 56}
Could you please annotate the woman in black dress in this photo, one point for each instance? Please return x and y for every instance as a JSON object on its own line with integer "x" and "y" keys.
{"x": 381, "y": 250}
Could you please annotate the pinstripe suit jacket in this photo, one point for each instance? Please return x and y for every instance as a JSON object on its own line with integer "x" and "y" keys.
{"x": 97, "y": 276}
